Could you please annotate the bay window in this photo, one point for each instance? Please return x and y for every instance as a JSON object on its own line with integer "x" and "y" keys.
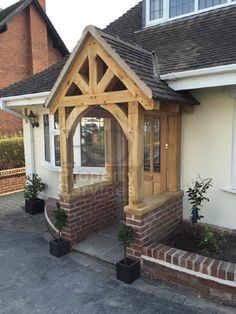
{"x": 158, "y": 11}
{"x": 89, "y": 144}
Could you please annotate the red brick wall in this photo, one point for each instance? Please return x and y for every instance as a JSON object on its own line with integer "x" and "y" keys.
{"x": 154, "y": 225}
{"x": 89, "y": 213}
{"x": 16, "y": 55}
{"x": 12, "y": 180}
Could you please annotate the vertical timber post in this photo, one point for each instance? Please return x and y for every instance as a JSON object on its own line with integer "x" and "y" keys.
{"x": 66, "y": 146}
{"x": 136, "y": 154}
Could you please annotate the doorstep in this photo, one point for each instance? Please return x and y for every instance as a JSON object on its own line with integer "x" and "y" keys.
{"x": 103, "y": 245}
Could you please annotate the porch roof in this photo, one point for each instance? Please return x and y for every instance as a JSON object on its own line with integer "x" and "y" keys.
{"x": 141, "y": 65}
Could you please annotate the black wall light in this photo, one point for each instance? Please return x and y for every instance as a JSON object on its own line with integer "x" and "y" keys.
{"x": 33, "y": 119}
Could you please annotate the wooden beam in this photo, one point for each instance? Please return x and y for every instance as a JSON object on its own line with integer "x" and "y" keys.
{"x": 80, "y": 82}
{"x": 173, "y": 153}
{"x": 97, "y": 99}
{"x": 66, "y": 149}
{"x": 72, "y": 121}
{"x": 92, "y": 67}
{"x": 120, "y": 116}
{"x": 136, "y": 154}
{"x": 138, "y": 94}
{"x": 110, "y": 149}
{"x": 105, "y": 81}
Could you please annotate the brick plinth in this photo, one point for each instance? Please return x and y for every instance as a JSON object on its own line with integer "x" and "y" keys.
{"x": 155, "y": 224}
{"x": 90, "y": 212}
{"x": 12, "y": 180}
{"x": 206, "y": 276}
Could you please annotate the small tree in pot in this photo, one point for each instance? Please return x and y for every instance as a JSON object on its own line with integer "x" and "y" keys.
{"x": 34, "y": 185}
{"x": 127, "y": 270}
{"x": 60, "y": 246}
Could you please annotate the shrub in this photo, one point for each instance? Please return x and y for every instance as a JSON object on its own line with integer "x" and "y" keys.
{"x": 60, "y": 219}
{"x": 11, "y": 153}
{"x": 211, "y": 241}
{"x": 126, "y": 236}
{"x": 34, "y": 185}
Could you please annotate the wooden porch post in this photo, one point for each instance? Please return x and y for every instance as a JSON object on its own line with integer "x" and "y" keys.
{"x": 67, "y": 163}
{"x": 173, "y": 155}
{"x": 110, "y": 149}
{"x": 136, "y": 154}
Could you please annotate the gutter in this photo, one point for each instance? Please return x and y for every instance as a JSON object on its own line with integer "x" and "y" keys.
{"x": 3, "y": 107}
{"x": 222, "y": 69}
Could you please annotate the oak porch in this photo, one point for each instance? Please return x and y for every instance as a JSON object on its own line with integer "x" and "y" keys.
{"x": 97, "y": 79}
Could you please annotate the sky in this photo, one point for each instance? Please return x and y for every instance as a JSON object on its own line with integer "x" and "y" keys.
{"x": 70, "y": 17}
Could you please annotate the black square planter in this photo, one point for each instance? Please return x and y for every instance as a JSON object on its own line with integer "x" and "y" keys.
{"x": 59, "y": 247}
{"x": 34, "y": 206}
{"x": 128, "y": 273}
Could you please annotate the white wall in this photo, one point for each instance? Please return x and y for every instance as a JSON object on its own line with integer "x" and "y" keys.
{"x": 207, "y": 151}
{"x": 50, "y": 176}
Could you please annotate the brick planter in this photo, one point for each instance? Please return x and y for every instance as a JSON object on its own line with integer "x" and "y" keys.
{"x": 206, "y": 276}
{"x": 155, "y": 224}
{"x": 91, "y": 209}
{"x": 12, "y": 180}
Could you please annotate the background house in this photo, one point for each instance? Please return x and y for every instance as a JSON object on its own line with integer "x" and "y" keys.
{"x": 29, "y": 43}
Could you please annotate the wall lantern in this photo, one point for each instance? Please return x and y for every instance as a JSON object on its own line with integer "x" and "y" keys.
{"x": 33, "y": 119}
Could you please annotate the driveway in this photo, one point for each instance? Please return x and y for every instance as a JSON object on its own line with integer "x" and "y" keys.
{"x": 32, "y": 281}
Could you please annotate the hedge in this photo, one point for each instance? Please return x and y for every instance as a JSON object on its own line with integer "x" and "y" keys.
{"x": 11, "y": 153}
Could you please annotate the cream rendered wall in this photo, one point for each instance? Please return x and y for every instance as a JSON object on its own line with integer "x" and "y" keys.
{"x": 207, "y": 151}
{"x": 50, "y": 175}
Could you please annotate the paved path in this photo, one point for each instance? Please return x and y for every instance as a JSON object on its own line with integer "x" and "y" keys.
{"x": 32, "y": 281}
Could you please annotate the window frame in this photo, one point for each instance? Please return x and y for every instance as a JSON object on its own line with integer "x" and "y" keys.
{"x": 166, "y": 11}
{"x": 78, "y": 169}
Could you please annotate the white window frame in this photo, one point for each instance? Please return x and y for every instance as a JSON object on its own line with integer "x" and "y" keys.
{"x": 78, "y": 169}
{"x": 166, "y": 11}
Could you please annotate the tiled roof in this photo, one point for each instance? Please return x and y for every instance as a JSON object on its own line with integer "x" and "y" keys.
{"x": 8, "y": 13}
{"x": 199, "y": 41}
{"x": 142, "y": 62}
{"x": 40, "y": 82}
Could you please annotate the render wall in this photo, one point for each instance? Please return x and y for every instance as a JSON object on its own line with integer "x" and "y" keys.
{"x": 207, "y": 150}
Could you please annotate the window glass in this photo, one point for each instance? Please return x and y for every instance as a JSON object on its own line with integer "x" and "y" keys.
{"x": 57, "y": 150}
{"x": 156, "y": 153}
{"x": 92, "y": 142}
{"x": 56, "y": 121}
{"x": 156, "y": 9}
{"x": 203, "y": 4}
{"x": 46, "y": 137}
{"x": 179, "y": 7}
{"x": 147, "y": 146}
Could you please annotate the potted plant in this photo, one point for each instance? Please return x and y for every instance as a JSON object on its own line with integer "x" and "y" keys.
{"x": 127, "y": 270}
{"x": 196, "y": 196}
{"x": 34, "y": 185}
{"x": 60, "y": 246}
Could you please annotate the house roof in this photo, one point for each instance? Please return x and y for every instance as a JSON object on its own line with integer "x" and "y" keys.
{"x": 199, "y": 41}
{"x": 138, "y": 63}
{"x": 7, "y": 14}
{"x": 40, "y": 82}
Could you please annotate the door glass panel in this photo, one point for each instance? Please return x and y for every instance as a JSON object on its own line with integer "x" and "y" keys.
{"x": 156, "y": 153}
{"x": 147, "y": 146}
{"x": 57, "y": 150}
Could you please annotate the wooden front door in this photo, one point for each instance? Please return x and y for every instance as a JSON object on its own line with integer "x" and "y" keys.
{"x": 155, "y": 155}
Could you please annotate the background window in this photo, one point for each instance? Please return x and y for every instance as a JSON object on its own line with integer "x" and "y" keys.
{"x": 46, "y": 137}
{"x": 179, "y": 7}
{"x": 92, "y": 142}
{"x": 152, "y": 145}
{"x": 203, "y": 4}
{"x": 156, "y": 9}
